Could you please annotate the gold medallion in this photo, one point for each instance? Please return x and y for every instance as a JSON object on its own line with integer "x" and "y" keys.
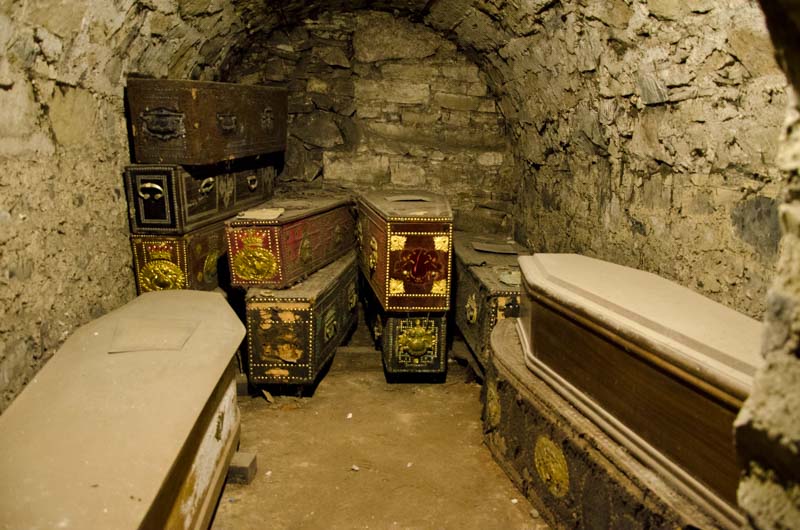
{"x": 417, "y": 340}
{"x": 551, "y": 466}
{"x": 159, "y": 275}
{"x": 255, "y": 264}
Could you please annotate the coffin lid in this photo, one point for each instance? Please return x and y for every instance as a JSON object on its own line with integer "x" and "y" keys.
{"x": 711, "y": 341}
{"x": 477, "y": 249}
{"x": 92, "y": 438}
{"x": 400, "y": 205}
{"x": 283, "y": 210}
{"x": 309, "y": 289}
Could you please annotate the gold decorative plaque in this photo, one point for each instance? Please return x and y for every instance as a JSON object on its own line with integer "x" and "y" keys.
{"x": 417, "y": 340}
{"x": 397, "y": 243}
{"x": 396, "y": 286}
{"x": 439, "y": 287}
{"x": 254, "y": 263}
{"x": 551, "y": 466}
{"x": 159, "y": 275}
{"x": 441, "y": 243}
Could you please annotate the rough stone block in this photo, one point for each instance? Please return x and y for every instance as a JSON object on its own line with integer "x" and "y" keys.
{"x": 358, "y": 169}
{"x": 393, "y": 92}
{"x": 457, "y": 101}
{"x": 412, "y": 72}
{"x": 243, "y": 468}
{"x": 317, "y": 129}
{"x": 491, "y": 158}
{"x": 407, "y": 174}
{"x": 332, "y": 56}
{"x": 380, "y": 36}
{"x": 461, "y": 72}
{"x": 71, "y": 113}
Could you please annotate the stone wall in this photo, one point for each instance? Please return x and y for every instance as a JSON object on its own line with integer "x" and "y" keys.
{"x": 379, "y": 102}
{"x": 768, "y": 428}
{"x": 64, "y": 252}
{"x": 644, "y": 132}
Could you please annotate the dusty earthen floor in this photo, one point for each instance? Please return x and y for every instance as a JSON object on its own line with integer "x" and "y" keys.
{"x": 362, "y": 453}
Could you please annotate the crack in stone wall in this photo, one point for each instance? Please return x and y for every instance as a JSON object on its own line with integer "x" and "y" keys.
{"x": 377, "y": 101}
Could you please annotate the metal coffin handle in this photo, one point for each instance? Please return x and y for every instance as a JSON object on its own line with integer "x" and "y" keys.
{"x": 158, "y": 191}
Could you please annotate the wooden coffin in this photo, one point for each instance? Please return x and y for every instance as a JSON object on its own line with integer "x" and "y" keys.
{"x": 195, "y": 260}
{"x": 200, "y": 122}
{"x": 284, "y": 240}
{"x": 487, "y": 286}
{"x": 410, "y": 343}
{"x": 292, "y": 333}
{"x": 405, "y": 242}
{"x": 177, "y": 199}
{"x": 663, "y": 368}
{"x": 131, "y": 424}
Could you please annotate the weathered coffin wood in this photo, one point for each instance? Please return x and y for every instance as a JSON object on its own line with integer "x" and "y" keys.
{"x": 573, "y": 473}
{"x": 665, "y": 369}
{"x": 405, "y": 242}
{"x": 487, "y": 287}
{"x": 137, "y": 438}
{"x": 410, "y": 343}
{"x": 176, "y": 199}
{"x": 195, "y": 260}
{"x": 293, "y": 333}
{"x": 284, "y": 240}
{"x": 200, "y": 122}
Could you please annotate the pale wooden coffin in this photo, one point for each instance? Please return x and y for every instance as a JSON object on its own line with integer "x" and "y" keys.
{"x": 661, "y": 368}
{"x": 131, "y": 424}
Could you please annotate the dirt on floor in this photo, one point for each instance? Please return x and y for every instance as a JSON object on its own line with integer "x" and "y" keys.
{"x": 361, "y": 453}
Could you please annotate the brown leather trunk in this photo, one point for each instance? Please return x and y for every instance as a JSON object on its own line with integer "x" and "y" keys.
{"x": 200, "y": 122}
{"x": 405, "y": 242}
{"x": 410, "y": 343}
{"x": 664, "y": 369}
{"x": 293, "y": 333}
{"x": 177, "y": 199}
{"x": 487, "y": 287}
{"x": 195, "y": 260}
{"x": 284, "y": 240}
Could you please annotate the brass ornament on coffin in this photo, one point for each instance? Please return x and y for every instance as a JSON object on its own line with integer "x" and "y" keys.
{"x": 417, "y": 340}
{"x": 372, "y": 260}
{"x": 160, "y": 275}
{"x": 305, "y": 249}
{"x": 551, "y": 466}
{"x": 253, "y": 262}
{"x": 209, "y": 273}
{"x": 471, "y": 309}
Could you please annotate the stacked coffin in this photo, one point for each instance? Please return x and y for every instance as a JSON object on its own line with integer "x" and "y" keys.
{"x": 487, "y": 288}
{"x": 295, "y": 257}
{"x": 202, "y": 155}
{"x": 404, "y": 243}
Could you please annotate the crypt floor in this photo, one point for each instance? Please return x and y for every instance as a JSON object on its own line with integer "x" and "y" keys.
{"x": 362, "y": 453}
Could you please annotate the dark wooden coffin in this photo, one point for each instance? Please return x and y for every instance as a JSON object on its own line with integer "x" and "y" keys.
{"x": 664, "y": 369}
{"x": 178, "y": 199}
{"x": 292, "y": 333}
{"x": 405, "y": 241}
{"x": 284, "y": 240}
{"x": 410, "y": 343}
{"x": 195, "y": 260}
{"x": 487, "y": 286}
{"x": 131, "y": 425}
{"x": 199, "y": 122}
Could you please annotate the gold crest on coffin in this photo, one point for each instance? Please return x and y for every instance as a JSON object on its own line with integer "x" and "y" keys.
{"x": 254, "y": 263}
{"x": 160, "y": 275}
{"x": 418, "y": 339}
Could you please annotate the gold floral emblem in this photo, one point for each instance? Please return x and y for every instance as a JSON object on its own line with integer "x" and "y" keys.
{"x": 160, "y": 275}
{"x": 417, "y": 340}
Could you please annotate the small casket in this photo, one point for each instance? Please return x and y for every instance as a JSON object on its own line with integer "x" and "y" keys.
{"x": 284, "y": 240}
{"x": 201, "y": 122}
{"x": 405, "y": 242}
{"x": 292, "y": 333}
{"x": 663, "y": 369}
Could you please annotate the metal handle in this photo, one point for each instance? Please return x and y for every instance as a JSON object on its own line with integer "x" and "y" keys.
{"x": 471, "y": 309}
{"x": 159, "y": 191}
{"x": 163, "y": 124}
{"x": 207, "y": 185}
{"x": 227, "y": 123}
{"x": 330, "y": 329}
{"x": 252, "y": 182}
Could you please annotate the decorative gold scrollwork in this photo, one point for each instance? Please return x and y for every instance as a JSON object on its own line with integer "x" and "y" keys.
{"x": 372, "y": 260}
{"x": 209, "y": 274}
{"x": 417, "y": 340}
{"x": 471, "y": 309}
{"x": 305, "y": 249}
{"x": 160, "y": 275}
